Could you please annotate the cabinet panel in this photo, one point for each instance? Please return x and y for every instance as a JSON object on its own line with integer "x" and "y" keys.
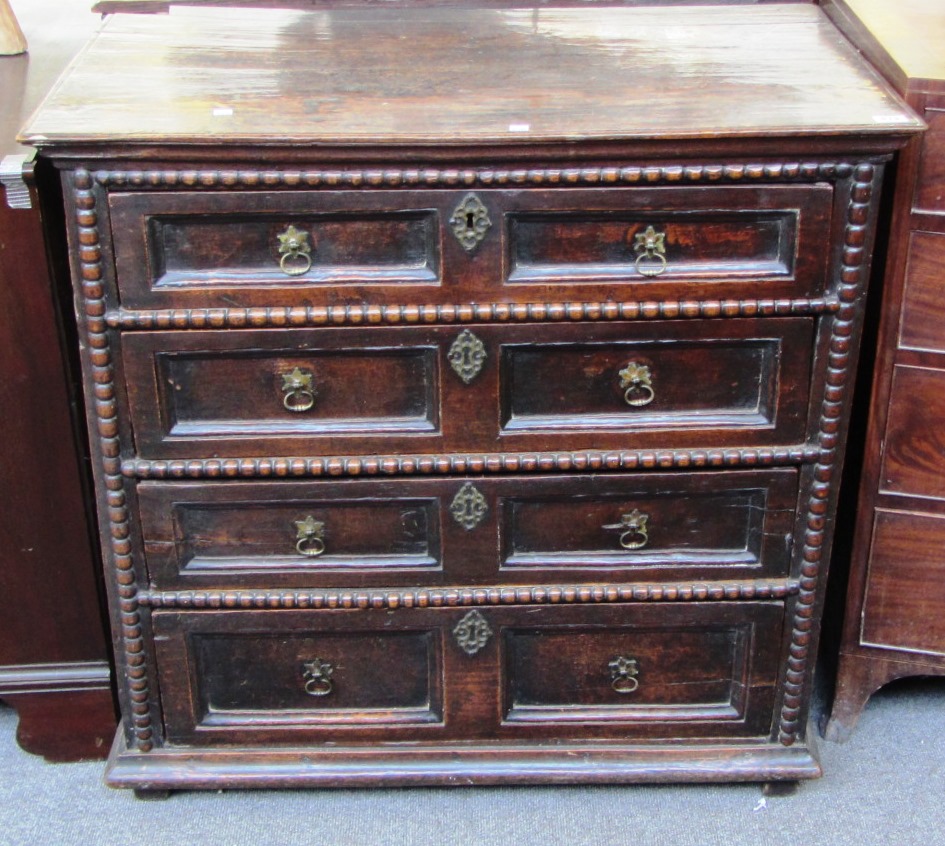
{"x": 904, "y": 606}
{"x": 923, "y": 303}
{"x": 259, "y": 672}
{"x": 645, "y": 668}
{"x": 915, "y": 438}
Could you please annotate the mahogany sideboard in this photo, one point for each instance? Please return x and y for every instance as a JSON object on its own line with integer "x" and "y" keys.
{"x": 475, "y": 418}
{"x": 894, "y": 624}
{"x": 54, "y": 651}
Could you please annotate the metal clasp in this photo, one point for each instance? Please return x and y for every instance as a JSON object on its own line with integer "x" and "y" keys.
{"x": 651, "y": 248}
{"x": 632, "y": 528}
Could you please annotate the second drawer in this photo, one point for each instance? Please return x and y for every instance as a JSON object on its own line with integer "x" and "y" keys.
{"x": 481, "y": 389}
{"x": 454, "y": 531}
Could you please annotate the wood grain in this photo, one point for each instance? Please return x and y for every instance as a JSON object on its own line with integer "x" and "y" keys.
{"x": 923, "y": 304}
{"x": 512, "y": 76}
{"x": 904, "y": 606}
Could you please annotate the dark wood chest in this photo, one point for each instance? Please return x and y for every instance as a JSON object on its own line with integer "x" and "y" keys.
{"x": 474, "y": 419}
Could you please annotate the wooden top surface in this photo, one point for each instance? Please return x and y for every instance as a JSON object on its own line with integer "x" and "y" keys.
{"x": 912, "y": 32}
{"x": 466, "y": 76}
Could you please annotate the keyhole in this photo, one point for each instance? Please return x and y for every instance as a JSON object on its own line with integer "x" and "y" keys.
{"x": 469, "y": 220}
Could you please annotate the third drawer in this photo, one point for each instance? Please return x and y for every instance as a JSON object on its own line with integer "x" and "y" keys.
{"x": 358, "y": 533}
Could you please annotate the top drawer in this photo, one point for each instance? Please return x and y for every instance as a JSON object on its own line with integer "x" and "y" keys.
{"x": 197, "y": 249}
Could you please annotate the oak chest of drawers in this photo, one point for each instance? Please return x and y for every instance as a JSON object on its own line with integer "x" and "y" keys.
{"x": 476, "y": 421}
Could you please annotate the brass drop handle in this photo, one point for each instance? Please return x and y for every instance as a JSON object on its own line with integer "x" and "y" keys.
{"x": 317, "y": 677}
{"x": 650, "y": 247}
{"x": 633, "y": 530}
{"x": 637, "y": 383}
{"x": 310, "y": 537}
{"x": 298, "y": 390}
{"x": 295, "y": 252}
{"x": 623, "y": 674}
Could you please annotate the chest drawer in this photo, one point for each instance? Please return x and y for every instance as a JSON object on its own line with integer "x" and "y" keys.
{"x": 197, "y": 249}
{"x": 545, "y": 529}
{"x": 915, "y": 441}
{"x": 492, "y": 673}
{"x": 403, "y": 390}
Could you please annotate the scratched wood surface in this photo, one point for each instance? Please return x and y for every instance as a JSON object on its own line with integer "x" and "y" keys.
{"x": 466, "y": 75}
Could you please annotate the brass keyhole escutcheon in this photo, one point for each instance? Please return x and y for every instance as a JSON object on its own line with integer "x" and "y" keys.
{"x": 633, "y": 529}
{"x": 316, "y": 676}
{"x": 650, "y": 247}
{"x": 624, "y": 672}
{"x": 295, "y": 252}
{"x": 310, "y": 537}
{"x": 637, "y": 383}
{"x": 466, "y": 356}
{"x": 298, "y": 389}
{"x": 470, "y": 222}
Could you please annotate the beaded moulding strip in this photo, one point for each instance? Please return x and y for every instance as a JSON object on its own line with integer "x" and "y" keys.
{"x": 395, "y": 177}
{"x": 852, "y": 279}
{"x": 131, "y": 660}
{"x": 409, "y": 465}
{"x": 400, "y": 314}
{"x": 450, "y": 597}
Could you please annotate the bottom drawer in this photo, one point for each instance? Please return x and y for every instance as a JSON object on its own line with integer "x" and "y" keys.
{"x": 492, "y": 673}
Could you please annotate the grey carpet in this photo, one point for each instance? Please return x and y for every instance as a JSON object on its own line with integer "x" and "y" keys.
{"x": 885, "y": 786}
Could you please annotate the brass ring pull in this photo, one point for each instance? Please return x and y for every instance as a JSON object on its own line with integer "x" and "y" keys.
{"x": 633, "y": 530}
{"x": 650, "y": 269}
{"x": 310, "y": 537}
{"x": 637, "y": 383}
{"x": 298, "y": 390}
{"x": 623, "y": 674}
{"x": 317, "y": 677}
{"x": 651, "y": 248}
{"x": 634, "y": 539}
{"x": 295, "y": 269}
{"x": 295, "y": 252}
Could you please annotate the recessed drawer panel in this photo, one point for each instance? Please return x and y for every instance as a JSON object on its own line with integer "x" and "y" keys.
{"x": 385, "y": 533}
{"x": 199, "y": 249}
{"x": 245, "y": 387}
{"x": 651, "y": 526}
{"x": 211, "y": 248}
{"x": 745, "y": 375}
{"x": 915, "y": 437}
{"x": 648, "y": 670}
{"x": 248, "y": 674}
{"x": 300, "y": 533}
{"x": 660, "y": 238}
